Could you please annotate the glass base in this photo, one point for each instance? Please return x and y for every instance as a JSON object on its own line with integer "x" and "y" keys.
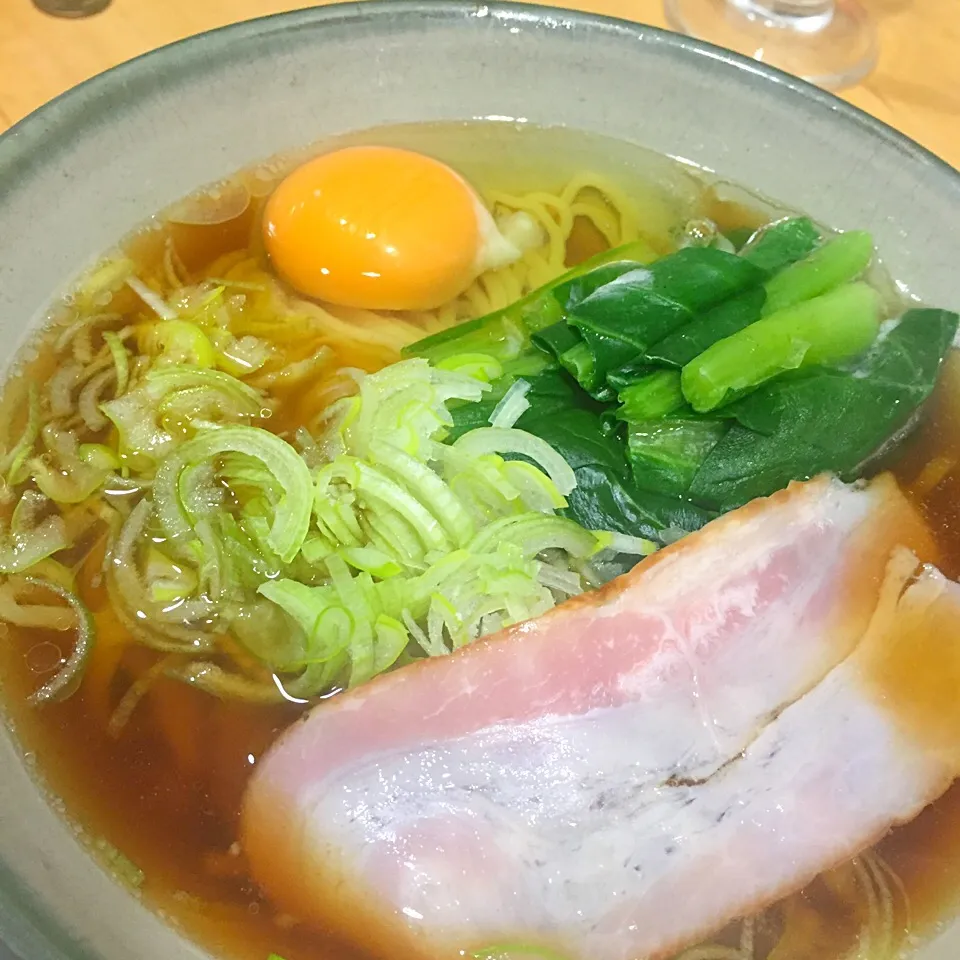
{"x": 71, "y": 9}
{"x": 833, "y": 49}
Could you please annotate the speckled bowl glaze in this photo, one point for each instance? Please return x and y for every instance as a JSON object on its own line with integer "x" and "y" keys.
{"x": 85, "y": 169}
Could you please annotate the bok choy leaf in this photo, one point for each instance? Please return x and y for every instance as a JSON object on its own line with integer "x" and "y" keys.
{"x": 830, "y": 420}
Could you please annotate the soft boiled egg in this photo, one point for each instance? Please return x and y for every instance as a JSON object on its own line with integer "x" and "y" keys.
{"x": 382, "y": 229}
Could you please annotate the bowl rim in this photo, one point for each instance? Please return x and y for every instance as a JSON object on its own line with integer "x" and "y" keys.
{"x": 26, "y": 924}
{"x": 70, "y": 106}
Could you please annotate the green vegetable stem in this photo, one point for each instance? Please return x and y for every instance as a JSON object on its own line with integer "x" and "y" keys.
{"x": 831, "y": 420}
{"x": 833, "y": 327}
{"x": 656, "y": 395}
{"x": 838, "y": 261}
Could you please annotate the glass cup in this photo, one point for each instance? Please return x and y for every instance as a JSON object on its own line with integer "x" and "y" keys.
{"x": 829, "y": 42}
{"x": 71, "y": 9}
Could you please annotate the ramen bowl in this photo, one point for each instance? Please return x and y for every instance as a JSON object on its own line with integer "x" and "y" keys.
{"x": 92, "y": 165}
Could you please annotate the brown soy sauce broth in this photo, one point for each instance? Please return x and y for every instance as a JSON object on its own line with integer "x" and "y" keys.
{"x": 167, "y": 791}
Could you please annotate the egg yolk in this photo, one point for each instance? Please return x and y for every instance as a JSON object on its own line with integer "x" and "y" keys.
{"x": 375, "y": 227}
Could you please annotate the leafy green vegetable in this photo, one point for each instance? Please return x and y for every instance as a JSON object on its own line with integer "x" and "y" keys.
{"x": 629, "y": 374}
{"x": 629, "y": 311}
{"x": 830, "y": 420}
{"x": 656, "y": 395}
{"x": 695, "y": 280}
{"x": 701, "y": 277}
{"x": 557, "y": 339}
{"x": 622, "y": 318}
{"x": 838, "y": 261}
{"x": 724, "y": 320}
{"x": 603, "y": 501}
{"x": 830, "y": 328}
{"x": 605, "y": 497}
{"x": 577, "y": 436}
{"x": 568, "y": 293}
{"x": 551, "y": 393}
{"x": 666, "y": 454}
{"x": 779, "y": 244}
{"x": 589, "y": 362}
{"x": 505, "y": 334}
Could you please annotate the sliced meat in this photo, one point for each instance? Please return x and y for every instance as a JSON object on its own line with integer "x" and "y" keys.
{"x": 630, "y": 771}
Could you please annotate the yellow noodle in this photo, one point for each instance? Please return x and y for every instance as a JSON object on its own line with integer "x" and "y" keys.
{"x": 868, "y": 884}
{"x": 898, "y": 886}
{"x": 282, "y": 319}
{"x": 135, "y": 693}
{"x": 586, "y": 195}
{"x": 931, "y": 476}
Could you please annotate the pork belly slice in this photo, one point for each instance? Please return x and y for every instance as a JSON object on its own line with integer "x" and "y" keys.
{"x": 627, "y": 773}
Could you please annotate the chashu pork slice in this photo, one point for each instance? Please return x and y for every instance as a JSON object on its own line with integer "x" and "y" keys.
{"x": 624, "y": 775}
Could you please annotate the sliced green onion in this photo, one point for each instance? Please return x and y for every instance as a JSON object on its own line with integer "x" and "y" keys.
{"x": 55, "y": 571}
{"x": 20, "y": 551}
{"x": 73, "y": 482}
{"x": 66, "y": 680}
{"x": 480, "y": 366}
{"x": 41, "y": 616}
{"x": 121, "y": 361}
{"x": 213, "y": 679}
{"x": 565, "y": 581}
{"x": 99, "y": 456}
{"x": 512, "y": 405}
{"x": 89, "y": 399}
{"x": 183, "y": 343}
{"x": 239, "y": 357}
{"x": 107, "y": 277}
{"x": 372, "y": 561}
{"x": 327, "y": 624}
{"x": 11, "y": 463}
{"x": 391, "y": 641}
{"x": 291, "y": 515}
{"x": 160, "y": 382}
{"x": 152, "y": 299}
{"x": 537, "y": 491}
{"x": 167, "y": 581}
{"x": 494, "y": 440}
{"x": 428, "y": 488}
{"x": 622, "y": 543}
{"x": 134, "y": 416}
{"x": 534, "y": 533}
{"x": 154, "y": 625}
{"x": 179, "y": 391}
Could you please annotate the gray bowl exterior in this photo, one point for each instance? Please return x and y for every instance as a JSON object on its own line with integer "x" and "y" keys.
{"x": 87, "y": 168}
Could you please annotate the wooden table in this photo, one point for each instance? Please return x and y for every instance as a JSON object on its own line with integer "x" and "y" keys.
{"x": 916, "y": 86}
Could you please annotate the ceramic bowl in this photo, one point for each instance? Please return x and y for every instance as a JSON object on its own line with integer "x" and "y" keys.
{"x": 91, "y": 165}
